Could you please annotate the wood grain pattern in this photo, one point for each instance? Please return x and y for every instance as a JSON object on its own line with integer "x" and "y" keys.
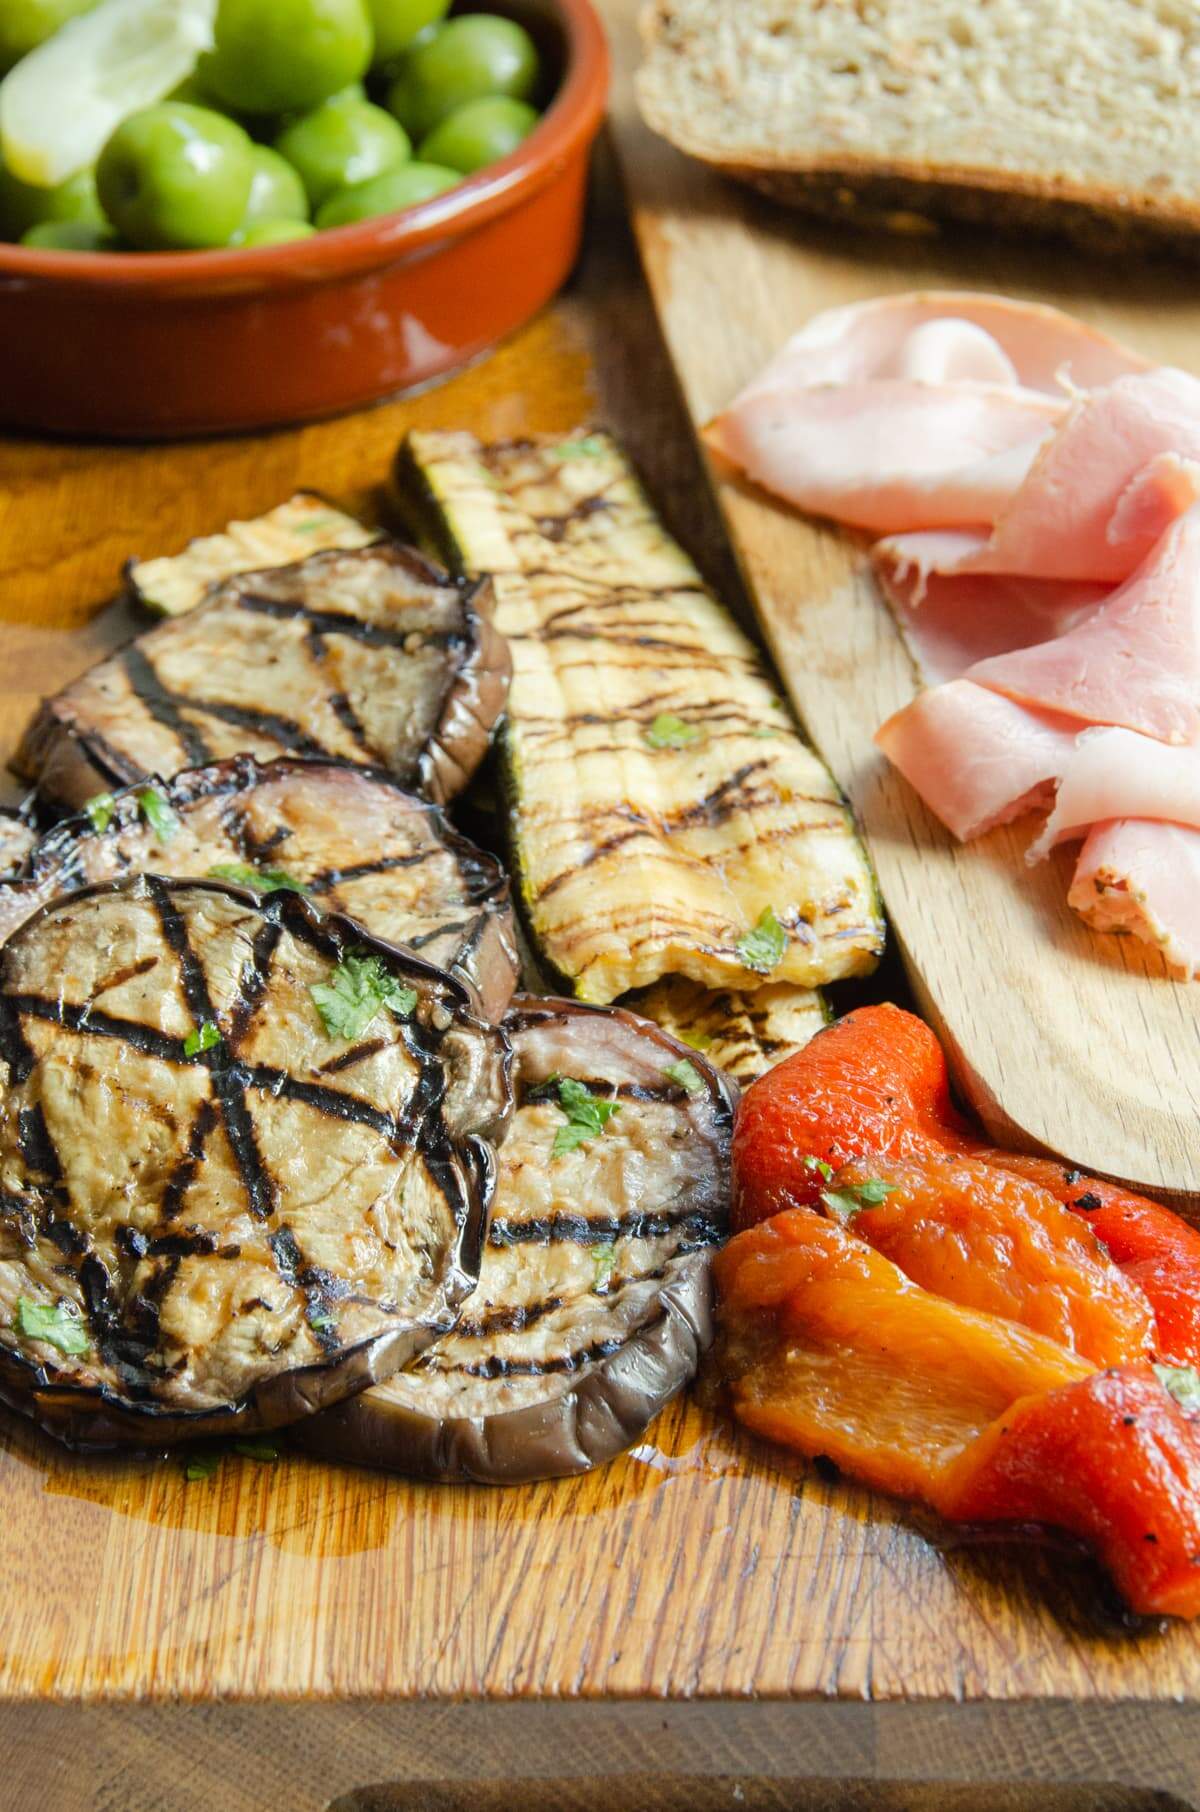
{"x": 1064, "y": 1040}
{"x": 330, "y": 1622}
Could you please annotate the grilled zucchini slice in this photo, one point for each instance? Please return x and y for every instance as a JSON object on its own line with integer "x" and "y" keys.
{"x": 666, "y": 816}
{"x": 306, "y": 524}
{"x": 744, "y": 1034}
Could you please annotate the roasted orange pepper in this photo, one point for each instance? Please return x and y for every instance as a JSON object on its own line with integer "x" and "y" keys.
{"x": 930, "y": 1312}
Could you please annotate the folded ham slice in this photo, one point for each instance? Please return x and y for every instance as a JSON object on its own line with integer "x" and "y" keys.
{"x": 949, "y": 624}
{"x": 976, "y": 758}
{"x": 1135, "y": 662}
{"x": 1143, "y": 878}
{"x": 1123, "y": 464}
{"x": 917, "y": 411}
{"x": 1118, "y": 774}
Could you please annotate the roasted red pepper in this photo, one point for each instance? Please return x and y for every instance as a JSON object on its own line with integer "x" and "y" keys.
{"x": 876, "y": 1085}
{"x": 930, "y": 1311}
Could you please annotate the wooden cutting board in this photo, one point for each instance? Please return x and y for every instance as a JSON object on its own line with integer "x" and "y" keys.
{"x": 287, "y": 1633}
{"x": 1063, "y": 1040}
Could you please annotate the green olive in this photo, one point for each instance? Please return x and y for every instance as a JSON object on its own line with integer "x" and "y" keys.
{"x": 276, "y": 191}
{"x": 479, "y": 133}
{"x": 174, "y": 176}
{"x": 398, "y": 22}
{"x": 401, "y": 188}
{"x": 285, "y": 56}
{"x": 470, "y": 56}
{"x": 23, "y": 206}
{"x": 340, "y": 144}
{"x": 273, "y": 232}
{"x": 71, "y": 236}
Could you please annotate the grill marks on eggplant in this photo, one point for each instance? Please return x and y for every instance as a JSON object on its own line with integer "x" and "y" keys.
{"x": 381, "y": 659}
{"x": 644, "y": 851}
{"x": 592, "y": 1301}
{"x": 349, "y": 837}
{"x": 231, "y": 1255}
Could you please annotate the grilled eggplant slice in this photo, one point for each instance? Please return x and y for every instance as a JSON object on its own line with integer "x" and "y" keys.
{"x": 304, "y": 525}
{"x": 666, "y": 816}
{"x": 373, "y": 656}
{"x": 17, "y": 838}
{"x": 348, "y": 838}
{"x": 744, "y": 1034}
{"x": 217, "y": 1213}
{"x": 593, "y": 1301}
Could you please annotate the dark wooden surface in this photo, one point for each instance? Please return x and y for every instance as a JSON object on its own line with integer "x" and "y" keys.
{"x": 284, "y": 1635}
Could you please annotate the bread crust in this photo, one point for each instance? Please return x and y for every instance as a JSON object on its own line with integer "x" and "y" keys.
{"x": 910, "y": 195}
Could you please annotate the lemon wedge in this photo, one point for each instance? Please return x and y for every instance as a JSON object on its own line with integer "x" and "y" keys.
{"x": 59, "y": 105}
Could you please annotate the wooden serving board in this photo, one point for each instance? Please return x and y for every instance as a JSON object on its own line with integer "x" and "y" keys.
{"x": 293, "y": 1634}
{"x": 1063, "y": 1040}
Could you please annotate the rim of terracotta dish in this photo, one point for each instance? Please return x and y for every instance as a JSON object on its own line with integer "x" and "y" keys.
{"x": 571, "y": 118}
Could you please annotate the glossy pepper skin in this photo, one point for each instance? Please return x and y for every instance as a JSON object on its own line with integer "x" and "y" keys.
{"x": 958, "y": 1324}
{"x": 876, "y": 1084}
{"x": 1112, "y": 1459}
{"x": 873, "y": 1084}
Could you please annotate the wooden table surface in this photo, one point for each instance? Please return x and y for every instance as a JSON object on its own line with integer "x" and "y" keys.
{"x": 298, "y": 1631}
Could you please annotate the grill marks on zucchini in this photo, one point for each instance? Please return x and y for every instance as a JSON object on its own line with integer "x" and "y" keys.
{"x": 350, "y": 839}
{"x": 639, "y": 861}
{"x": 204, "y": 1226}
{"x": 744, "y": 1033}
{"x": 380, "y": 657}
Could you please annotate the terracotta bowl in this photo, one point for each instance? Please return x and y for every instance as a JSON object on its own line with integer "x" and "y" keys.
{"x": 150, "y": 345}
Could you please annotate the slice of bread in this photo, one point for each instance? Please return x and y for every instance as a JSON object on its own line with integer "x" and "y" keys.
{"x": 1081, "y": 115}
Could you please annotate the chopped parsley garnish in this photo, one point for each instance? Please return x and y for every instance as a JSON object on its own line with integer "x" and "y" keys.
{"x": 99, "y": 811}
{"x": 201, "y": 1466}
{"x": 263, "y": 880}
{"x": 587, "y": 1115}
{"x": 202, "y": 1039}
{"x": 158, "y": 814}
{"x": 356, "y": 992}
{"x": 763, "y": 730}
{"x": 57, "y": 1323}
{"x": 321, "y": 1323}
{"x": 762, "y": 948}
{"x": 686, "y": 1075}
{"x": 822, "y": 1169}
{"x": 671, "y": 732}
{"x": 1183, "y": 1382}
{"x": 591, "y": 447}
{"x": 851, "y": 1198}
{"x": 699, "y": 1041}
{"x": 257, "y": 1450}
{"x": 604, "y": 1258}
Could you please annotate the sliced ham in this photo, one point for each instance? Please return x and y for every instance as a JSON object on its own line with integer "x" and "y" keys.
{"x": 1135, "y": 662}
{"x": 1143, "y": 878}
{"x": 1038, "y": 490}
{"x": 1123, "y": 464}
{"x": 1012, "y": 342}
{"x": 918, "y": 411}
{"x": 888, "y": 454}
{"x": 1118, "y": 774}
{"x": 976, "y": 758}
{"x": 949, "y": 624}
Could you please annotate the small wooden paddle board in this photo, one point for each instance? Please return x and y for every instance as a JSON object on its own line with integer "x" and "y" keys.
{"x": 1063, "y": 1039}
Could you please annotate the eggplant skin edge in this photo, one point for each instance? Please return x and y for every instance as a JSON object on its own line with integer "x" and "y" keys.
{"x": 97, "y": 1419}
{"x": 590, "y": 1424}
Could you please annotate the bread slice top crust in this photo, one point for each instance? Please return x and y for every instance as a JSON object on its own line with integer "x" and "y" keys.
{"x": 1093, "y": 104}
